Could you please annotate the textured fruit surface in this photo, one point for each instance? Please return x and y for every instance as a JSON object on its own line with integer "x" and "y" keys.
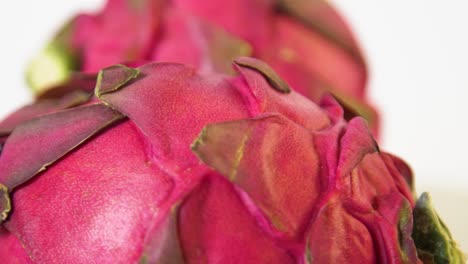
{"x": 157, "y": 137}
{"x": 169, "y": 165}
{"x": 306, "y": 42}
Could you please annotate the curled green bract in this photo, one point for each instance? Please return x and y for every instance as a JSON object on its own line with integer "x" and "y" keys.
{"x": 113, "y": 78}
{"x": 266, "y": 71}
{"x": 432, "y": 237}
{"x": 5, "y": 203}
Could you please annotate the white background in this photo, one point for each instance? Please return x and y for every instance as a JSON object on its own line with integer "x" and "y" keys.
{"x": 418, "y": 56}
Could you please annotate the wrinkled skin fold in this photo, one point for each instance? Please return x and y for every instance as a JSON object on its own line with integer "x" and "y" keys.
{"x": 169, "y": 165}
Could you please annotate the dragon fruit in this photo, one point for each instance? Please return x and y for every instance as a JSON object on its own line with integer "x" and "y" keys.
{"x": 167, "y": 164}
{"x": 306, "y": 42}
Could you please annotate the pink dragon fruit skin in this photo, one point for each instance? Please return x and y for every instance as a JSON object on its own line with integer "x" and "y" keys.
{"x": 168, "y": 165}
{"x": 306, "y": 42}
